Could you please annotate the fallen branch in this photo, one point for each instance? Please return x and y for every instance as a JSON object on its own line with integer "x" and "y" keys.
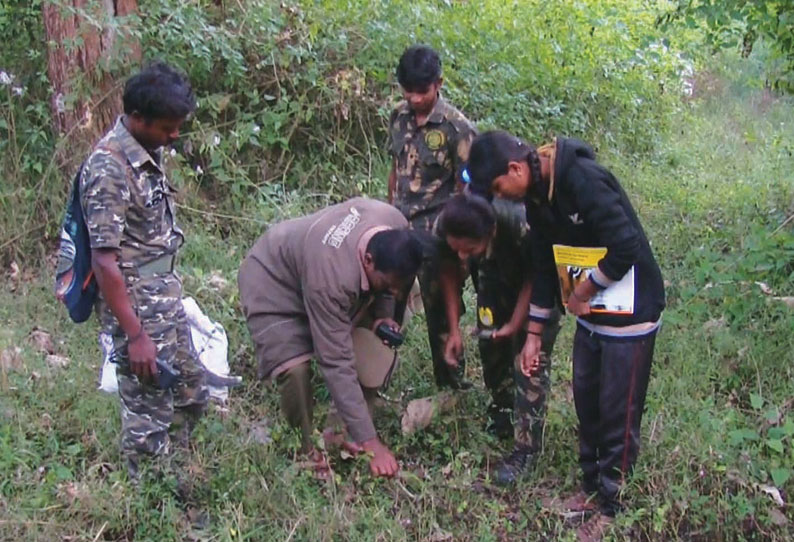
{"x": 220, "y": 215}
{"x": 783, "y": 224}
{"x": 294, "y": 528}
{"x": 21, "y": 235}
{"x": 101, "y": 530}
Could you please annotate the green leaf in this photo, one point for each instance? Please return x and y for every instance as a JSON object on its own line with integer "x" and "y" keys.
{"x": 788, "y": 428}
{"x": 737, "y": 436}
{"x": 780, "y": 476}
{"x": 776, "y": 433}
{"x": 756, "y": 401}
{"x": 772, "y": 415}
{"x": 61, "y": 472}
{"x": 776, "y": 445}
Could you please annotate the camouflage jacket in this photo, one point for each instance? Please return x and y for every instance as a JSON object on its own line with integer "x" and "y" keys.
{"x": 507, "y": 260}
{"x": 508, "y": 254}
{"x": 428, "y": 159}
{"x": 128, "y": 202}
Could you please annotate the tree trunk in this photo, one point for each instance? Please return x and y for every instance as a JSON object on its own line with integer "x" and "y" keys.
{"x": 83, "y": 45}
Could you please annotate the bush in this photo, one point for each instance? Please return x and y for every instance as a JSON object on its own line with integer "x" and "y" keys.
{"x": 294, "y": 96}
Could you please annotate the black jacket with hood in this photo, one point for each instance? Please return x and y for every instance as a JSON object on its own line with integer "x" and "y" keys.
{"x": 585, "y": 206}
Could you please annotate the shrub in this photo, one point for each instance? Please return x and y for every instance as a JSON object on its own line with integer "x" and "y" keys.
{"x": 293, "y": 96}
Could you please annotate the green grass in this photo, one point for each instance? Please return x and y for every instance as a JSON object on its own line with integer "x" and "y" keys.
{"x": 718, "y": 425}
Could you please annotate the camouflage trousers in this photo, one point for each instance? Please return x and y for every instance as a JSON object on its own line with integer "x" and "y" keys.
{"x": 438, "y": 327}
{"x": 435, "y": 311}
{"x": 148, "y": 413}
{"x": 510, "y": 389}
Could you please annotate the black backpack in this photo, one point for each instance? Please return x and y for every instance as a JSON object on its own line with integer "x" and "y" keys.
{"x": 75, "y": 284}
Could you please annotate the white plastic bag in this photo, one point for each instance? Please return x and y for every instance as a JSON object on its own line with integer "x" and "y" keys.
{"x": 211, "y": 344}
{"x": 107, "y": 374}
{"x": 209, "y": 341}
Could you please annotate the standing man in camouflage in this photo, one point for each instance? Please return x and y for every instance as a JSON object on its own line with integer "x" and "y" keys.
{"x": 129, "y": 211}
{"x": 496, "y": 238}
{"x": 429, "y": 142}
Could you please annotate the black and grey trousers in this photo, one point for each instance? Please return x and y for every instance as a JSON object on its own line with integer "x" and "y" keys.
{"x": 610, "y": 380}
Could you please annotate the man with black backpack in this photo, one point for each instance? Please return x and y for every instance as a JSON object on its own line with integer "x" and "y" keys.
{"x": 127, "y": 205}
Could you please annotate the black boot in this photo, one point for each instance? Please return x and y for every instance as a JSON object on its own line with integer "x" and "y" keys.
{"x": 457, "y": 377}
{"x": 514, "y": 466}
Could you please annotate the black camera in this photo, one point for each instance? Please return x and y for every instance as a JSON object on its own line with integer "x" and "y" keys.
{"x": 167, "y": 374}
{"x": 389, "y": 336}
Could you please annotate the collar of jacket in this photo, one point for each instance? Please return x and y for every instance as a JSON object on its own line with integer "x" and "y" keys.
{"x": 439, "y": 112}
{"x": 362, "y": 250}
{"x": 134, "y": 151}
{"x": 437, "y": 115}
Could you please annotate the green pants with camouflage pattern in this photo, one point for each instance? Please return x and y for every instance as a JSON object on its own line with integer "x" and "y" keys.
{"x": 148, "y": 412}
{"x": 435, "y": 311}
{"x": 437, "y": 326}
{"x": 509, "y": 388}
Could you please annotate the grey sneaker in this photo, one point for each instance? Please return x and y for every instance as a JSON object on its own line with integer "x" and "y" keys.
{"x": 514, "y": 466}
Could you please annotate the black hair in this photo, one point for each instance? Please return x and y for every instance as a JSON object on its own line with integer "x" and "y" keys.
{"x": 419, "y": 67}
{"x": 468, "y": 217}
{"x": 159, "y": 91}
{"x": 490, "y": 154}
{"x": 396, "y": 251}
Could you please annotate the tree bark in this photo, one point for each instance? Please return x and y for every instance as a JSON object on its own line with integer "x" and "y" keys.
{"x": 83, "y": 45}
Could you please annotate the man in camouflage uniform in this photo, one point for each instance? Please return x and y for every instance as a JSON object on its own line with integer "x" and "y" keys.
{"x": 429, "y": 141}
{"x": 129, "y": 212}
{"x": 496, "y": 239}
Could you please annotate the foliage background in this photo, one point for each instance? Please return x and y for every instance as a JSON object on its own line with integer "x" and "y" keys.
{"x": 746, "y": 23}
{"x": 294, "y": 96}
